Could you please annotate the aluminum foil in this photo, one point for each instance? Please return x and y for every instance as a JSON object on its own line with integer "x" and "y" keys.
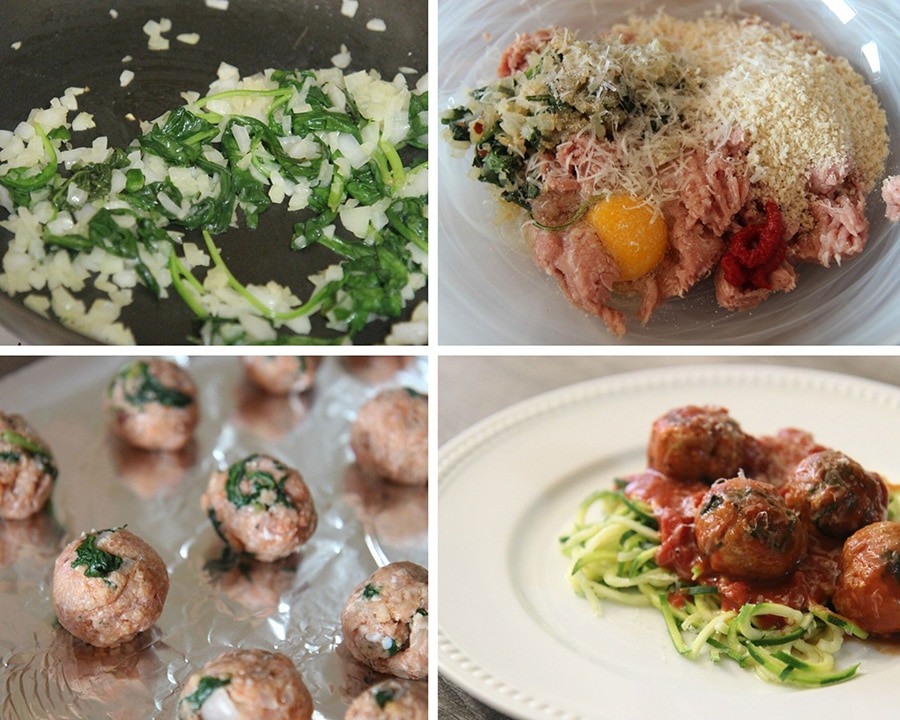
{"x": 214, "y": 604}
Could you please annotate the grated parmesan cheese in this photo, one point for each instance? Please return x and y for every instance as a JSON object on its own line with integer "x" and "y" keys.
{"x": 798, "y": 107}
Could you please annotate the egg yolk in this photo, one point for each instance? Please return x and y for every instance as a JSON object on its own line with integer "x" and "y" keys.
{"x": 631, "y": 232}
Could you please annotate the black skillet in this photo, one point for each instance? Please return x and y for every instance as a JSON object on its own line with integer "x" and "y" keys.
{"x": 80, "y": 43}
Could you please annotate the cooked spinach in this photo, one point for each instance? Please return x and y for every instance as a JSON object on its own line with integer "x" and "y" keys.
{"x": 205, "y": 687}
{"x": 141, "y": 387}
{"x": 97, "y": 563}
{"x": 257, "y": 483}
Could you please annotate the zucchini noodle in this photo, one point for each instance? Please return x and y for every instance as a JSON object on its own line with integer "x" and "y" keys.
{"x": 612, "y": 548}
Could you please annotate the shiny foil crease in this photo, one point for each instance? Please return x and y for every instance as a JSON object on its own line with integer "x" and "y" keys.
{"x": 214, "y": 603}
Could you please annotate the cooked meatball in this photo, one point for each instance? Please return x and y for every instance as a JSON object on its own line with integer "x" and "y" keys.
{"x": 261, "y": 507}
{"x": 745, "y": 530}
{"x": 153, "y": 404}
{"x": 385, "y": 621}
{"x": 390, "y": 436}
{"x": 246, "y": 685}
{"x": 835, "y": 493}
{"x": 390, "y": 700}
{"x": 281, "y": 374}
{"x": 697, "y": 443}
{"x": 868, "y": 587}
{"x": 108, "y": 586}
{"x": 27, "y": 469}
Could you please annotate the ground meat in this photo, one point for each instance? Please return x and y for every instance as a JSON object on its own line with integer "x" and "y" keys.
{"x": 281, "y": 374}
{"x": 890, "y": 193}
{"x": 584, "y": 269}
{"x": 868, "y": 588}
{"x": 385, "y": 621}
{"x": 27, "y": 469}
{"x": 261, "y": 507}
{"x": 390, "y": 436}
{"x": 784, "y": 279}
{"x": 153, "y": 404}
{"x": 390, "y": 700}
{"x": 108, "y": 586}
{"x": 515, "y": 57}
{"x": 246, "y": 685}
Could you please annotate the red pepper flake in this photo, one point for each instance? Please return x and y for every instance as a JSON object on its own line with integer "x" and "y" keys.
{"x": 755, "y": 252}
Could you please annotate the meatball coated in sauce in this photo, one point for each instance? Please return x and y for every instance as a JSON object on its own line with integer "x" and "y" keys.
{"x": 745, "y": 530}
{"x": 261, "y": 507}
{"x": 390, "y": 436}
{"x": 385, "y": 621}
{"x": 835, "y": 493}
{"x": 27, "y": 469}
{"x": 153, "y": 404}
{"x": 697, "y": 443}
{"x": 868, "y": 587}
{"x": 281, "y": 374}
{"x": 108, "y": 586}
{"x": 390, "y": 700}
{"x": 246, "y": 685}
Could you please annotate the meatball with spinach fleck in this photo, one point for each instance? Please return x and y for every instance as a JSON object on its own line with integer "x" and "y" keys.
{"x": 281, "y": 374}
{"x": 261, "y": 507}
{"x": 745, "y": 530}
{"x": 835, "y": 494}
{"x": 392, "y": 699}
{"x": 246, "y": 685}
{"x": 109, "y": 586}
{"x": 385, "y": 621}
{"x": 697, "y": 443}
{"x": 390, "y": 436}
{"x": 27, "y": 469}
{"x": 153, "y": 404}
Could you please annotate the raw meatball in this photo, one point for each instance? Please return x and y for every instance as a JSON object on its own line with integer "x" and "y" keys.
{"x": 868, "y": 587}
{"x": 697, "y": 443}
{"x": 281, "y": 374}
{"x": 261, "y": 507}
{"x": 745, "y": 530}
{"x": 390, "y": 436}
{"x": 385, "y": 621}
{"x": 153, "y": 404}
{"x": 246, "y": 685}
{"x": 27, "y": 470}
{"x": 390, "y": 700}
{"x": 108, "y": 586}
{"x": 836, "y": 494}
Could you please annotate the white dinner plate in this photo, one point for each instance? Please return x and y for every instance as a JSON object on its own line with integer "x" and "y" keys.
{"x": 511, "y": 631}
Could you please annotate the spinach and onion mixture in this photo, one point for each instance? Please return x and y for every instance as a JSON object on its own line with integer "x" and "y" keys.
{"x": 97, "y": 563}
{"x": 141, "y": 387}
{"x": 249, "y": 485}
{"x": 346, "y": 155}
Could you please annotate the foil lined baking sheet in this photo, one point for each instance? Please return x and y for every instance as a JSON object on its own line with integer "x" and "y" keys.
{"x": 214, "y": 603}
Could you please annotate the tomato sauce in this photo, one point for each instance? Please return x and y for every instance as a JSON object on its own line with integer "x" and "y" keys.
{"x": 674, "y": 505}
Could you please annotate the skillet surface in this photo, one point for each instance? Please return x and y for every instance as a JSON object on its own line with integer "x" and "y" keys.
{"x": 65, "y": 43}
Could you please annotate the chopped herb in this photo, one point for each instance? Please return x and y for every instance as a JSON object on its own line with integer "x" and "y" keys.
{"x": 259, "y": 482}
{"x": 40, "y": 453}
{"x": 97, "y": 562}
{"x": 370, "y": 591}
{"x": 393, "y": 648}
{"x": 206, "y": 687}
{"x": 141, "y": 387}
{"x": 383, "y": 696}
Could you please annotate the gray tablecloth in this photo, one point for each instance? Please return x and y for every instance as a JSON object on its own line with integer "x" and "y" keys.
{"x": 472, "y": 388}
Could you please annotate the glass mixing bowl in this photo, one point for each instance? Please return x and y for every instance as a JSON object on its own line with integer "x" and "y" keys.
{"x": 490, "y": 292}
